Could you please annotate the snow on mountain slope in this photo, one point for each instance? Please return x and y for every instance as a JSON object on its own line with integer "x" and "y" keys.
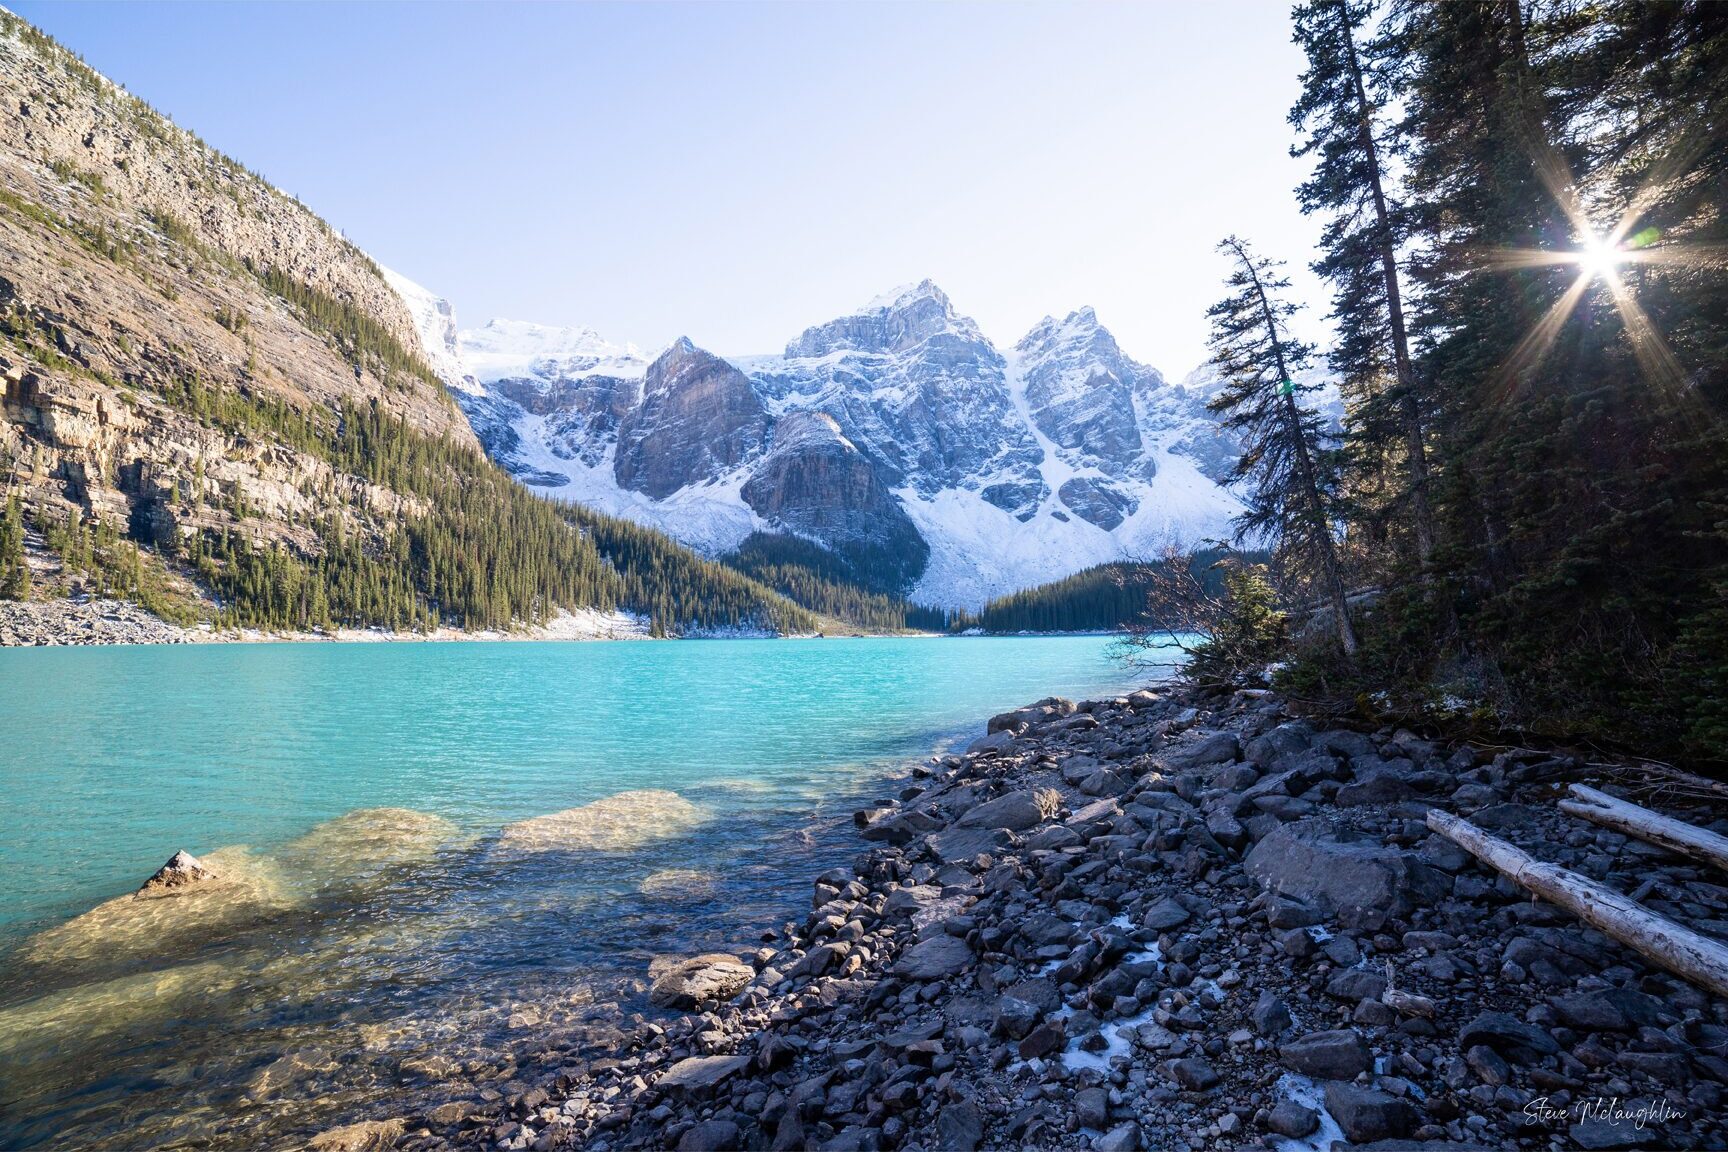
{"x": 435, "y": 321}
{"x": 516, "y": 349}
{"x": 1013, "y": 467}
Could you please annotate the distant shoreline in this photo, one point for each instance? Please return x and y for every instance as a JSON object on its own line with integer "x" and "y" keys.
{"x": 64, "y": 623}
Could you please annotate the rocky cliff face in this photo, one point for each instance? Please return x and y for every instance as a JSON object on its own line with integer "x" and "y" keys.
{"x": 977, "y": 471}
{"x": 698, "y": 418}
{"x": 817, "y": 484}
{"x": 151, "y": 376}
{"x": 1081, "y": 389}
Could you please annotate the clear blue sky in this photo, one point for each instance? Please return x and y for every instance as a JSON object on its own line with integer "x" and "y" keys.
{"x": 738, "y": 172}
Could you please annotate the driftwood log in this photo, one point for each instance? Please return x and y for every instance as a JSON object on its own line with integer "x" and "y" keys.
{"x": 1651, "y": 827}
{"x": 1678, "y": 949}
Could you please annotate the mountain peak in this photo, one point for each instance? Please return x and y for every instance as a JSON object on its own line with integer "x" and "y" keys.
{"x": 906, "y": 296}
{"x": 892, "y": 323}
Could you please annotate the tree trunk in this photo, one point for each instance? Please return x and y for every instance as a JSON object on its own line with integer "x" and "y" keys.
{"x": 1415, "y": 444}
{"x": 1651, "y": 827}
{"x": 1680, "y": 950}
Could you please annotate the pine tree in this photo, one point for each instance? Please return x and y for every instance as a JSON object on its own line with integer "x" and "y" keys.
{"x": 1293, "y": 490}
{"x": 1372, "y": 349}
{"x": 14, "y": 569}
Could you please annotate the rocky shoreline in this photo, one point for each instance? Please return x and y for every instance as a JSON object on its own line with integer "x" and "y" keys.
{"x": 69, "y": 622}
{"x": 1166, "y": 921}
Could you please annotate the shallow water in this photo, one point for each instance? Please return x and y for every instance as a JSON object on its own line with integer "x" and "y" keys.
{"x": 438, "y": 862}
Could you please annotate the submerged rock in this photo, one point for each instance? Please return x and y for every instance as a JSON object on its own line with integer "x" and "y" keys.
{"x": 359, "y": 845}
{"x": 613, "y": 824}
{"x": 182, "y": 870}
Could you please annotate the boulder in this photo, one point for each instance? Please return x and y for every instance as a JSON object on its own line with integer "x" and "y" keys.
{"x": 1502, "y": 1032}
{"x": 701, "y": 980}
{"x": 934, "y": 959}
{"x": 1354, "y": 877}
{"x": 1053, "y": 838}
{"x": 1194, "y": 1074}
{"x": 710, "y": 1136}
{"x": 994, "y": 742}
{"x": 1167, "y": 913}
{"x": 1217, "y": 748}
{"x": 1366, "y": 1115}
{"x": 1294, "y": 1120}
{"x": 957, "y": 844}
{"x": 1270, "y": 1014}
{"x": 1339, "y": 1055}
{"x": 696, "y": 1074}
{"x": 960, "y": 1126}
{"x": 1016, "y": 811}
{"x": 1286, "y": 739}
{"x": 182, "y": 870}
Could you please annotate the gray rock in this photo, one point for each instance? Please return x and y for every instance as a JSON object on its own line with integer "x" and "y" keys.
{"x": 1361, "y": 880}
{"x": 1356, "y": 984}
{"x": 1016, "y": 811}
{"x": 1092, "y": 1107}
{"x": 697, "y": 1074}
{"x": 1122, "y": 1138}
{"x": 1194, "y": 1074}
{"x": 1015, "y": 1017}
{"x": 1294, "y": 1120}
{"x": 1378, "y": 788}
{"x": 1167, "y": 913}
{"x": 1270, "y": 1015}
{"x": 1286, "y": 739}
{"x": 1599, "y": 1135}
{"x": 957, "y": 844}
{"x": 710, "y": 1136}
{"x": 935, "y": 959}
{"x": 1218, "y": 748}
{"x": 1337, "y": 1055}
{"x": 1366, "y": 1114}
{"x": 1501, "y": 1032}
{"x": 994, "y": 742}
{"x": 182, "y": 870}
{"x": 960, "y": 1126}
{"x": 1052, "y": 839}
{"x": 701, "y": 980}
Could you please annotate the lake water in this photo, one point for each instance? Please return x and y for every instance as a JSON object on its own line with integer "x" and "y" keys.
{"x": 439, "y": 863}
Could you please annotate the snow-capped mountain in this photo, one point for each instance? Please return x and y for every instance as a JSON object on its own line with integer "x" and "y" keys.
{"x": 898, "y": 437}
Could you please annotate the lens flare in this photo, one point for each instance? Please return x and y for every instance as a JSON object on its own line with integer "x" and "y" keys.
{"x": 1599, "y": 257}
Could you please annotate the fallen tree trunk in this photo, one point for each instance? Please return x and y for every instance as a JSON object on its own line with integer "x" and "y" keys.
{"x": 1651, "y": 827}
{"x": 1680, "y": 950}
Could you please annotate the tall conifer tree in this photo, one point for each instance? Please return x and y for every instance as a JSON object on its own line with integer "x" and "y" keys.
{"x": 1291, "y": 482}
{"x": 1361, "y": 242}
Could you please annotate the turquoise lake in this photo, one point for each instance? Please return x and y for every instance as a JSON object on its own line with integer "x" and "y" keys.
{"x": 432, "y": 855}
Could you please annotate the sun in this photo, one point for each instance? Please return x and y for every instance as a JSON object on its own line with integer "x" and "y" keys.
{"x": 1599, "y": 257}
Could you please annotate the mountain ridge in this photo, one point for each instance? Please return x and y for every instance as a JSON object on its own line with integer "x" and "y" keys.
{"x": 215, "y": 405}
{"x": 1013, "y": 466}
